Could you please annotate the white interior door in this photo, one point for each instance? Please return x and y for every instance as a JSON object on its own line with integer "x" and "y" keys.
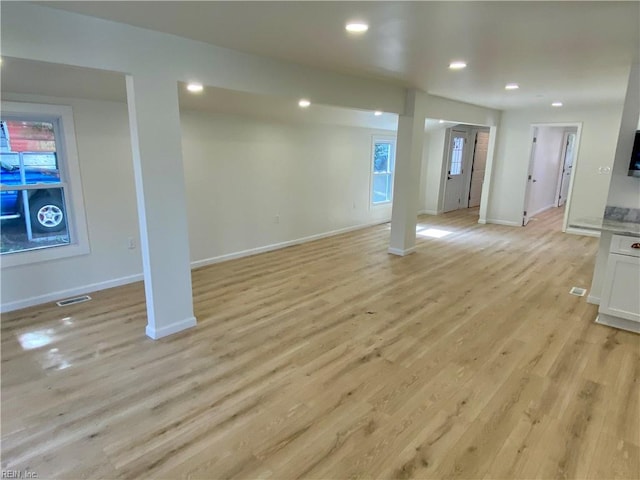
{"x": 478, "y": 168}
{"x": 530, "y": 182}
{"x": 565, "y": 176}
{"x": 454, "y": 183}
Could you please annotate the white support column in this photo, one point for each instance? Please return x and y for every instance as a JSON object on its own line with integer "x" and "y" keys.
{"x": 154, "y": 121}
{"x": 406, "y": 184}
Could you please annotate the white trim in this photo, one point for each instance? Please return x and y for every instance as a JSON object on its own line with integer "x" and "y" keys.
{"x": 616, "y": 322}
{"x": 400, "y": 252}
{"x": 72, "y": 292}
{"x": 276, "y": 246}
{"x": 502, "y": 222}
{"x": 62, "y": 116}
{"x": 428, "y": 212}
{"x": 582, "y": 231}
{"x": 381, "y": 139}
{"x": 116, "y": 282}
{"x": 540, "y": 210}
{"x": 482, "y": 221}
{"x": 593, "y": 299}
{"x": 170, "y": 329}
{"x": 576, "y": 157}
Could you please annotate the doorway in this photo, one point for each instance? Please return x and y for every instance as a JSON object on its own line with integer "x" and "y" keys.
{"x": 454, "y": 185}
{"x": 466, "y": 163}
{"x": 551, "y": 166}
{"x": 478, "y": 167}
{"x": 568, "y": 151}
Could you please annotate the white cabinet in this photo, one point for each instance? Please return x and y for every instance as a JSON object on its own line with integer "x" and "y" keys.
{"x": 620, "y": 297}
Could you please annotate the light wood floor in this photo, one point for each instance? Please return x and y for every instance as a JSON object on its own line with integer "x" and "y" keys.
{"x": 468, "y": 359}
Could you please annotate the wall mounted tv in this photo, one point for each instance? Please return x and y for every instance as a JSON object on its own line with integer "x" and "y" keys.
{"x": 634, "y": 166}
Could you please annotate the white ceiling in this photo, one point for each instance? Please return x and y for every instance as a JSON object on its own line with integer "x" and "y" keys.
{"x": 575, "y": 52}
{"x": 26, "y": 77}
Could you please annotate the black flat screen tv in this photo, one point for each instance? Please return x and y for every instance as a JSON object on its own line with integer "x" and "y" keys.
{"x": 634, "y": 166}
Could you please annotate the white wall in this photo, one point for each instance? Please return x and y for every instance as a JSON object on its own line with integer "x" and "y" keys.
{"x": 432, "y": 166}
{"x": 600, "y": 127}
{"x": 624, "y": 191}
{"x": 104, "y": 150}
{"x": 239, "y": 173}
{"x": 545, "y": 169}
{"x": 459, "y": 112}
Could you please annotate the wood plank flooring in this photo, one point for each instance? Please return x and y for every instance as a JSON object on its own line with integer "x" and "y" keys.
{"x": 329, "y": 360}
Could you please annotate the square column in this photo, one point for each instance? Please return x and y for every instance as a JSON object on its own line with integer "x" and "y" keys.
{"x": 154, "y": 121}
{"x": 406, "y": 184}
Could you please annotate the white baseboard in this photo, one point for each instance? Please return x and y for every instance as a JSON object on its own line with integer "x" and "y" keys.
{"x": 429, "y": 212}
{"x": 617, "y": 322}
{"x": 276, "y": 246}
{"x": 593, "y": 299}
{"x": 170, "y": 329}
{"x": 94, "y": 287}
{"x": 72, "y": 292}
{"x": 482, "y": 221}
{"x": 543, "y": 209}
{"x": 582, "y": 231}
{"x": 400, "y": 252}
{"x": 502, "y": 222}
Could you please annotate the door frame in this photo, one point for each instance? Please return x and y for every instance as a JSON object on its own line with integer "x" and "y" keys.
{"x": 532, "y": 130}
{"x": 563, "y": 155}
{"x": 475, "y": 130}
{"x": 466, "y": 130}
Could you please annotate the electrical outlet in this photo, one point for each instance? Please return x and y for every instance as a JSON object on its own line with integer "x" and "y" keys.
{"x": 276, "y": 219}
{"x": 131, "y": 243}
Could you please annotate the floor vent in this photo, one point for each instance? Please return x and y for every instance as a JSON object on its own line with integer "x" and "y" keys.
{"x": 578, "y": 292}
{"x": 71, "y": 301}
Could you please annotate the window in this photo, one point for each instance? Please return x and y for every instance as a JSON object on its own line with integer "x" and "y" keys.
{"x": 42, "y": 210}
{"x": 457, "y": 149}
{"x": 383, "y": 166}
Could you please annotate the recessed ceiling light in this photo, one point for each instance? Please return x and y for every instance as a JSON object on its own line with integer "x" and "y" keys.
{"x": 356, "y": 27}
{"x": 556, "y": 104}
{"x": 511, "y": 86}
{"x": 377, "y": 113}
{"x": 458, "y": 65}
{"x": 304, "y": 103}
{"x": 195, "y": 87}
{"x": 440, "y": 121}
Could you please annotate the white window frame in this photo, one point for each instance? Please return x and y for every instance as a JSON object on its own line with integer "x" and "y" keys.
{"x": 67, "y": 152}
{"x": 381, "y": 139}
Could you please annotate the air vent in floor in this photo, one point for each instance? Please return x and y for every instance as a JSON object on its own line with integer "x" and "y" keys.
{"x": 71, "y": 301}
{"x": 577, "y": 291}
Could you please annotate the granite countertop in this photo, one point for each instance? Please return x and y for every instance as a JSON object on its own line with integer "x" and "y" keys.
{"x": 624, "y": 221}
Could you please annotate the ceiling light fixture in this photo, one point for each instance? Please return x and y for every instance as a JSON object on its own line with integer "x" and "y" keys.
{"x": 556, "y": 104}
{"x": 195, "y": 87}
{"x": 377, "y": 113}
{"x": 458, "y": 65}
{"x": 511, "y": 86}
{"x": 304, "y": 103}
{"x": 356, "y": 27}
{"x": 440, "y": 121}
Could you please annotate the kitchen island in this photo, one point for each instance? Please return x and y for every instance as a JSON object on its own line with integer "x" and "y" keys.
{"x": 619, "y": 298}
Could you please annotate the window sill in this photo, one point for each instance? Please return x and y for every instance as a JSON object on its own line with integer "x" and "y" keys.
{"x": 45, "y": 254}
